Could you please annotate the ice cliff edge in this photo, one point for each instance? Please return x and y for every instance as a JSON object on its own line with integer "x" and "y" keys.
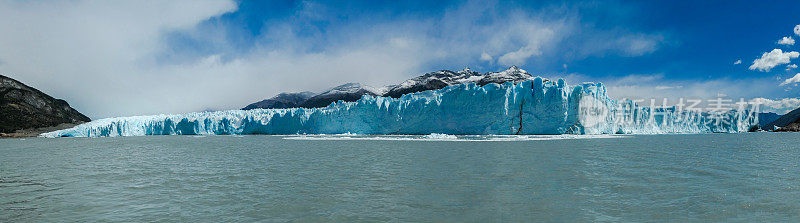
{"x": 531, "y": 107}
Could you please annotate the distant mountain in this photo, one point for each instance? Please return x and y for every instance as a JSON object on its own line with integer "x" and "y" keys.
{"x": 23, "y": 107}
{"x": 429, "y": 81}
{"x": 432, "y": 81}
{"x": 443, "y": 78}
{"x": 765, "y": 118}
{"x": 513, "y": 73}
{"x": 790, "y": 122}
{"x": 345, "y": 92}
{"x": 282, "y": 100}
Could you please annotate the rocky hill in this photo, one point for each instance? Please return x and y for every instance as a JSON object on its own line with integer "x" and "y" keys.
{"x": 25, "y": 108}
{"x": 282, "y": 100}
{"x": 790, "y": 122}
{"x": 345, "y": 92}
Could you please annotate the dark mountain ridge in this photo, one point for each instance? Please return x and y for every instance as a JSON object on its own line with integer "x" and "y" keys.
{"x": 790, "y": 122}
{"x": 345, "y": 92}
{"x": 282, "y": 100}
{"x": 429, "y": 81}
{"x": 24, "y": 107}
{"x": 765, "y": 118}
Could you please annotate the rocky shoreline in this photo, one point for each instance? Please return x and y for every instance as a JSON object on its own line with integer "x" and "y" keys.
{"x": 35, "y": 132}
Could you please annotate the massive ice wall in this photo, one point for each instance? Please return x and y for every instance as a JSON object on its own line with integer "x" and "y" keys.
{"x": 531, "y": 107}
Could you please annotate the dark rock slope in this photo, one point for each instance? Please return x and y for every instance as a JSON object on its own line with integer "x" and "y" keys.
{"x": 23, "y": 107}
{"x": 790, "y": 122}
{"x": 432, "y": 81}
{"x": 282, "y": 100}
{"x": 345, "y": 92}
{"x": 765, "y": 118}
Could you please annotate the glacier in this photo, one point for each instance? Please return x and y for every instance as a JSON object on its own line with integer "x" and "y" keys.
{"x": 535, "y": 106}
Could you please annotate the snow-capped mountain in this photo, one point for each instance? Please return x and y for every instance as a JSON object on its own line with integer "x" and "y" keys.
{"x": 346, "y": 92}
{"x": 429, "y": 81}
{"x": 282, "y": 100}
{"x": 432, "y": 81}
{"x": 443, "y": 78}
{"x": 513, "y": 73}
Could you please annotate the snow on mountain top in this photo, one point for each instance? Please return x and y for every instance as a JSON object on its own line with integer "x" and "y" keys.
{"x": 351, "y": 88}
{"x": 429, "y": 81}
{"x": 345, "y": 92}
{"x": 443, "y": 78}
{"x": 306, "y": 94}
{"x": 513, "y": 73}
{"x": 468, "y": 76}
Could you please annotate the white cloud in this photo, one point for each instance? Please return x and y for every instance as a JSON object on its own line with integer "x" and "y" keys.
{"x": 786, "y": 41}
{"x": 518, "y": 56}
{"x": 737, "y": 62}
{"x": 791, "y": 66}
{"x": 795, "y": 79}
{"x": 486, "y": 57}
{"x": 661, "y": 87}
{"x": 774, "y": 58}
{"x": 103, "y": 56}
{"x": 640, "y": 44}
{"x": 780, "y": 106}
{"x": 531, "y": 37}
{"x": 630, "y": 45}
{"x": 797, "y": 30}
{"x": 97, "y": 54}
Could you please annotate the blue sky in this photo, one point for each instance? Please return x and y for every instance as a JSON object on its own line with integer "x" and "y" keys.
{"x": 145, "y": 57}
{"x": 685, "y": 39}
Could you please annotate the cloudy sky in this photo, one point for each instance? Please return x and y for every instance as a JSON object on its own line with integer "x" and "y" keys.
{"x": 120, "y": 58}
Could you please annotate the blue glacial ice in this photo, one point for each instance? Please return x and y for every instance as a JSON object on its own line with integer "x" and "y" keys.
{"x": 531, "y": 107}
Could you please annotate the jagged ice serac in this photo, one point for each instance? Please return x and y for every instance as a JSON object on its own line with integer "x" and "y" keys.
{"x": 536, "y": 106}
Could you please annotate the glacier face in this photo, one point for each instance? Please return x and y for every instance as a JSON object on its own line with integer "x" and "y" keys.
{"x": 530, "y": 107}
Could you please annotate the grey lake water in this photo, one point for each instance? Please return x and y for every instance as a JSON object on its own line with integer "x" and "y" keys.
{"x": 751, "y": 177}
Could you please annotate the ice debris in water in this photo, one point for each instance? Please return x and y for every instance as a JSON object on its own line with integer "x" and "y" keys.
{"x": 440, "y": 136}
{"x": 525, "y": 108}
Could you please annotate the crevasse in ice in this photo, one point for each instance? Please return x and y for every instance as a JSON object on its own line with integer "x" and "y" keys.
{"x": 529, "y": 107}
